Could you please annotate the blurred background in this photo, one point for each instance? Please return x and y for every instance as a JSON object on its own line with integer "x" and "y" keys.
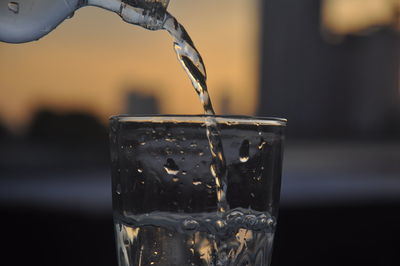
{"x": 331, "y": 67}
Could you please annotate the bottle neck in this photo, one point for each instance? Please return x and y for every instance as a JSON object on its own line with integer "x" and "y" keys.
{"x": 149, "y": 14}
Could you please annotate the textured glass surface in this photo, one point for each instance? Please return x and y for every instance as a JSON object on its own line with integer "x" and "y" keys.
{"x": 164, "y": 196}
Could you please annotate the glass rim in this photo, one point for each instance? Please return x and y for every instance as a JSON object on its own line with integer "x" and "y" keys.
{"x": 228, "y": 119}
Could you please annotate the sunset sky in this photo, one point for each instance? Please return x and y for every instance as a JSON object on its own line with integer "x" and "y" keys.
{"x": 92, "y": 60}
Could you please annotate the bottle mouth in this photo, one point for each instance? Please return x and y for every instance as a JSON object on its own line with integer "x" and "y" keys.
{"x": 221, "y": 119}
{"x": 154, "y": 5}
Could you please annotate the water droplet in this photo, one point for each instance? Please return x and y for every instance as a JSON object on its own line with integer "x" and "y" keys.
{"x": 182, "y": 152}
{"x": 252, "y": 195}
{"x": 140, "y": 170}
{"x": 193, "y": 145}
{"x": 197, "y": 183}
{"x": 175, "y": 179}
{"x": 143, "y": 143}
{"x": 153, "y": 131}
{"x": 190, "y": 224}
{"x": 13, "y": 7}
{"x": 184, "y": 173}
{"x": 118, "y": 189}
{"x": 244, "y": 151}
{"x": 201, "y": 153}
{"x": 71, "y": 15}
{"x": 262, "y": 144}
{"x": 170, "y": 167}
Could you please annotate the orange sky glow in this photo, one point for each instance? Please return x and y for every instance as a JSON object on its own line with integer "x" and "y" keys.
{"x": 92, "y": 60}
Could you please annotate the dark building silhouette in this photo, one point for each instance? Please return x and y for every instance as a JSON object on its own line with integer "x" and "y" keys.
{"x": 141, "y": 104}
{"x": 350, "y": 89}
{"x": 3, "y": 132}
{"x": 69, "y": 127}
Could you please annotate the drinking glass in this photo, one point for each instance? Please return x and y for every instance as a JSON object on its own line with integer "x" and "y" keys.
{"x": 165, "y": 198}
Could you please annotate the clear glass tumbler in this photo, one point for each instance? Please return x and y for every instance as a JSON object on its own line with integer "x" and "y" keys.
{"x": 164, "y": 195}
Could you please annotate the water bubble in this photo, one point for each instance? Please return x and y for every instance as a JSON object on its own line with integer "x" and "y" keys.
{"x": 13, "y": 7}
{"x": 252, "y": 195}
{"x": 244, "y": 151}
{"x": 201, "y": 153}
{"x": 182, "y": 152}
{"x": 143, "y": 143}
{"x": 140, "y": 170}
{"x": 170, "y": 167}
{"x": 250, "y": 220}
{"x": 190, "y": 225}
{"x": 263, "y": 221}
{"x": 234, "y": 214}
{"x": 197, "y": 183}
{"x": 184, "y": 172}
{"x": 270, "y": 221}
{"x": 175, "y": 179}
{"x": 220, "y": 224}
